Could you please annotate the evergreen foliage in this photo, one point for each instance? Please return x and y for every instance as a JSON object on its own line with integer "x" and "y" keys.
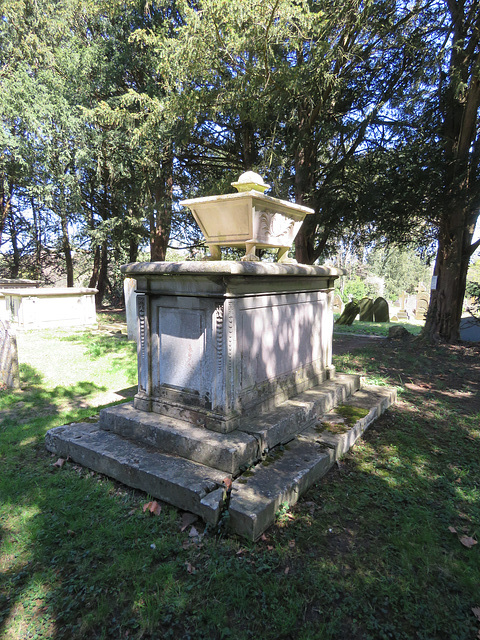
{"x": 367, "y": 111}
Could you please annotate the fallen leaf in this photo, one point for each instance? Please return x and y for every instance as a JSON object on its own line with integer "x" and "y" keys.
{"x": 291, "y": 544}
{"x": 228, "y": 484}
{"x": 187, "y": 519}
{"x": 59, "y": 463}
{"x": 132, "y": 512}
{"x": 153, "y": 507}
{"x": 193, "y": 533}
{"x": 468, "y": 542}
{"x": 240, "y": 551}
{"x": 269, "y": 548}
{"x": 185, "y": 544}
{"x": 287, "y": 569}
{"x": 476, "y": 612}
{"x": 452, "y": 529}
{"x": 264, "y": 537}
{"x": 190, "y": 567}
{"x": 71, "y": 532}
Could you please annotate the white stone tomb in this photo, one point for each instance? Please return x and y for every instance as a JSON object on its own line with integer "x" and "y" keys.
{"x": 217, "y": 339}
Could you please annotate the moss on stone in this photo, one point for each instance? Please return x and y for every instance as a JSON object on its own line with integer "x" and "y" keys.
{"x": 351, "y": 414}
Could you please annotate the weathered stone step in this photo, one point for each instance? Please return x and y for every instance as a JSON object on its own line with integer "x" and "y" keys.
{"x": 293, "y": 416}
{"x": 239, "y": 449}
{"x": 334, "y": 429}
{"x": 257, "y": 495}
{"x": 226, "y": 452}
{"x": 180, "y": 482}
{"x": 281, "y": 478}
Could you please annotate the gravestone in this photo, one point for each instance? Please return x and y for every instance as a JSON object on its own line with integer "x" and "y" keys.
{"x": 9, "y": 378}
{"x": 422, "y": 302}
{"x": 380, "y": 310}
{"x": 349, "y": 313}
{"x": 338, "y": 304}
{"x": 402, "y": 313}
{"x": 366, "y": 310}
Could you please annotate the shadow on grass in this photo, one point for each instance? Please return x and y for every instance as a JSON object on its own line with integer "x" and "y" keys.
{"x": 98, "y": 344}
{"x": 35, "y": 398}
{"x": 121, "y": 351}
{"x": 24, "y": 412}
{"x": 366, "y": 555}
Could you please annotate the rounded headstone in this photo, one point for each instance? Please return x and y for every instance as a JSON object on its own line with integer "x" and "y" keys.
{"x": 380, "y": 310}
{"x": 338, "y": 304}
{"x": 399, "y": 333}
{"x": 349, "y": 313}
{"x": 366, "y": 310}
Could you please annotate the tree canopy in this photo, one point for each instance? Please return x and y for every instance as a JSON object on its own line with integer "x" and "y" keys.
{"x": 367, "y": 111}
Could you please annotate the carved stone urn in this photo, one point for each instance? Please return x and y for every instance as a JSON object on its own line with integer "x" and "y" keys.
{"x": 248, "y": 219}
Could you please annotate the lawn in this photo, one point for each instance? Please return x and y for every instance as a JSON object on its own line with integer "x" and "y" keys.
{"x": 383, "y": 547}
{"x": 376, "y": 328}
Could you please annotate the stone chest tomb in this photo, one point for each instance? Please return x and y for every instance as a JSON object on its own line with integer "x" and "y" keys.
{"x": 218, "y": 339}
{"x": 234, "y": 364}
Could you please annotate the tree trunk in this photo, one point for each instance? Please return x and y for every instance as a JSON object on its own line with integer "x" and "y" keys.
{"x": 460, "y": 141}
{"x": 67, "y": 252}
{"x": 15, "y": 251}
{"x": 161, "y": 220}
{"x": 5, "y": 203}
{"x": 37, "y": 239}
{"x": 304, "y": 247}
{"x": 96, "y": 268}
{"x": 133, "y": 250}
{"x": 446, "y": 302}
{"x": 304, "y": 183}
{"x": 102, "y": 277}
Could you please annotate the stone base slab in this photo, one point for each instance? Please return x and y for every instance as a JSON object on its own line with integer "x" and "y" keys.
{"x": 226, "y": 452}
{"x": 284, "y": 473}
{"x": 180, "y": 482}
{"x": 230, "y": 452}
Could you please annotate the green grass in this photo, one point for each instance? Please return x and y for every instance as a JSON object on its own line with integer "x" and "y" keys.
{"x": 86, "y": 365}
{"x": 376, "y": 328}
{"x": 366, "y": 554}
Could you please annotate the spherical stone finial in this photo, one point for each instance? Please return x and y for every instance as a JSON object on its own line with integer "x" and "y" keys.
{"x": 249, "y": 181}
